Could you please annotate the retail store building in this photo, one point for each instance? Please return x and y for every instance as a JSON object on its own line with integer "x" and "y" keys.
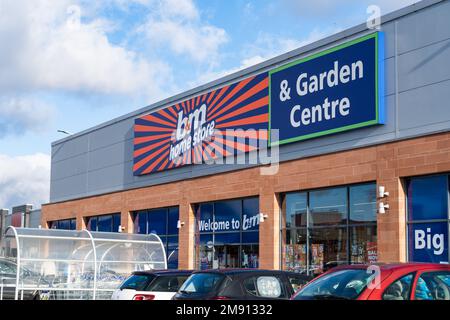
{"x": 360, "y": 121}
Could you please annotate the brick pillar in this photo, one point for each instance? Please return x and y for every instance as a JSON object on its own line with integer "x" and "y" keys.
{"x": 269, "y": 230}
{"x": 81, "y": 223}
{"x": 391, "y": 225}
{"x": 186, "y": 240}
{"x": 126, "y": 222}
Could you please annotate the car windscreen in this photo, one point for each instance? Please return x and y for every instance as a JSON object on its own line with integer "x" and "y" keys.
{"x": 342, "y": 284}
{"x": 167, "y": 283}
{"x": 137, "y": 282}
{"x": 202, "y": 283}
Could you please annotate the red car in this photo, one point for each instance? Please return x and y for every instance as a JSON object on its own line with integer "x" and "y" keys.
{"x": 402, "y": 281}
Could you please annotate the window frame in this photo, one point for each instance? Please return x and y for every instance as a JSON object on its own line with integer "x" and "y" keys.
{"x": 199, "y": 246}
{"x": 96, "y": 217}
{"x": 166, "y": 237}
{"x": 310, "y": 227}
{"x": 405, "y": 183}
{"x": 419, "y": 274}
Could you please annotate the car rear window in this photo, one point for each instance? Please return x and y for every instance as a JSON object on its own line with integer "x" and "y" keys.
{"x": 202, "y": 283}
{"x": 137, "y": 282}
{"x": 167, "y": 283}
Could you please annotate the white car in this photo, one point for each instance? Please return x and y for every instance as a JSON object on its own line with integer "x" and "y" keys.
{"x": 151, "y": 285}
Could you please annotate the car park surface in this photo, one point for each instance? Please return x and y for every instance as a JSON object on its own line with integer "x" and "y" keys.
{"x": 151, "y": 285}
{"x": 241, "y": 284}
{"x": 401, "y": 281}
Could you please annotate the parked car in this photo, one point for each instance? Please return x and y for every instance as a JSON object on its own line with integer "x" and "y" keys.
{"x": 151, "y": 285}
{"x": 402, "y": 281}
{"x": 8, "y": 274}
{"x": 241, "y": 284}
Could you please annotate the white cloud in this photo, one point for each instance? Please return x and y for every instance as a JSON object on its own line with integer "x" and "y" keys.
{"x": 24, "y": 179}
{"x": 177, "y": 25}
{"x": 265, "y": 47}
{"x": 46, "y": 47}
{"x": 19, "y": 115}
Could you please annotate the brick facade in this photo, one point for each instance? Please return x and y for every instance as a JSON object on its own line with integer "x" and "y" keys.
{"x": 386, "y": 164}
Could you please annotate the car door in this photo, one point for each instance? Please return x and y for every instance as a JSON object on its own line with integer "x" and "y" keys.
{"x": 432, "y": 285}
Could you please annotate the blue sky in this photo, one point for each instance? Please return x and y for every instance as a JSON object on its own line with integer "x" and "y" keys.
{"x": 72, "y": 64}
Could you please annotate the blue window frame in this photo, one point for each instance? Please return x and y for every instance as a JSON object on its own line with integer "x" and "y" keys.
{"x": 164, "y": 223}
{"x": 428, "y": 218}
{"x": 104, "y": 223}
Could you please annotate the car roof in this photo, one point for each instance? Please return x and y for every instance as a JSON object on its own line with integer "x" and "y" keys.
{"x": 163, "y": 272}
{"x": 233, "y": 271}
{"x": 394, "y": 266}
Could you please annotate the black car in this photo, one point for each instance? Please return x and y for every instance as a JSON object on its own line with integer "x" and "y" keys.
{"x": 8, "y": 274}
{"x": 241, "y": 284}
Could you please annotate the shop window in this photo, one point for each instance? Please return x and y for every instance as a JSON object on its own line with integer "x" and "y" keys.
{"x": 163, "y": 222}
{"x": 363, "y": 244}
{"x": 428, "y": 218}
{"x": 104, "y": 223}
{"x": 68, "y": 224}
{"x": 329, "y": 227}
{"x": 328, "y": 206}
{"x": 427, "y": 198}
{"x": 296, "y": 250}
{"x": 296, "y": 210}
{"x": 328, "y": 248}
{"x": 227, "y": 234}
{"x": 363, "y": 203}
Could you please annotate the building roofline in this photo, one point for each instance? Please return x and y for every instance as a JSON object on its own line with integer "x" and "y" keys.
{"x": 258, "y": 68}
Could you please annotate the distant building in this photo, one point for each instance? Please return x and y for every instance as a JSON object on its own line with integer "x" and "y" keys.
{"x": 22, "y": 216}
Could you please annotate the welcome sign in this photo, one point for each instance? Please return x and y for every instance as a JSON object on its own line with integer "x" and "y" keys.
{"x": 336, "y": 90}
{"x": 197, "y": 129}
{"x": 332, "y": 91}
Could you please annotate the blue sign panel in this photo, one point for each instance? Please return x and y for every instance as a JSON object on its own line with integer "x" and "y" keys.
{"x": 428, "y": 242}
{"x": 332, "y": 91}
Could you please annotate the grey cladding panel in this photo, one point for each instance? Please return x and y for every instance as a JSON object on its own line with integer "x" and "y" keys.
{"x": 74, "y": 186}
{"x": 118, "y": 132}
{"x": 424, "y": 27}
{"x": 69, "y": 167}
{"x": 70, "y": 148}
{"x": 424, "y": 66}
{"x": 111, "y": 155}
{"x": 425, "y": 106}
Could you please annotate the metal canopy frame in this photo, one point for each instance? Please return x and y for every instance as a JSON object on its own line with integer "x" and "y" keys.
{"x": 71, "y": 264}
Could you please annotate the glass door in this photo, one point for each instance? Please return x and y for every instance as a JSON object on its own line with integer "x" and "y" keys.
{"x": 226, "y": 256}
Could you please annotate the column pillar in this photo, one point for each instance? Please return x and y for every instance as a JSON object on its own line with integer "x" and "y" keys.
{"x": 186, "y": 234}
{"x": 269, "y": 230}
{"x": 391, "y": 226}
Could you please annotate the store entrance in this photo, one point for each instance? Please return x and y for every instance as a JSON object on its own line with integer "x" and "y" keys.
{"x": 227, "y": 256}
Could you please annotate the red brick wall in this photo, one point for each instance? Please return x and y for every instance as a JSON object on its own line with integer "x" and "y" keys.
{"x": 386, "y": 164}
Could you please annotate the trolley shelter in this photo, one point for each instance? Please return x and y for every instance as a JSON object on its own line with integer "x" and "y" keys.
{"x": 70, "y": 264}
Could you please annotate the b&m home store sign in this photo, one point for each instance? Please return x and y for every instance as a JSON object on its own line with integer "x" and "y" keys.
{"x": 332, "y": 91}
